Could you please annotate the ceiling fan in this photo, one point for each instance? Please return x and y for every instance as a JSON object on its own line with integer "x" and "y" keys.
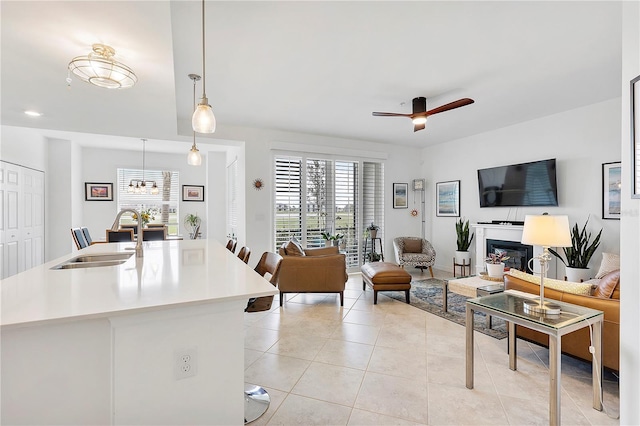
{"x": 420, "y": 113}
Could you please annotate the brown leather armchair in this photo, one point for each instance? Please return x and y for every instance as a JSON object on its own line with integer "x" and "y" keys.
{"x": 320, "y": 270}
{"x": 578, "y": 342}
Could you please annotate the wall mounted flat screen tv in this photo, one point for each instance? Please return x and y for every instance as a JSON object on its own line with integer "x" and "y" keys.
{"x": 519, "y": 185}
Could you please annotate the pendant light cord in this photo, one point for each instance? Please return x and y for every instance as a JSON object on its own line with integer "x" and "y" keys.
{"x": 204, "y": 91}
{"x": 143, "y": 155}
{"x": 194, "y": 108}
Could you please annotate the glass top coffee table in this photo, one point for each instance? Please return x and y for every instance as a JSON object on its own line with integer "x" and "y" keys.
{"x": 510, "y": 307}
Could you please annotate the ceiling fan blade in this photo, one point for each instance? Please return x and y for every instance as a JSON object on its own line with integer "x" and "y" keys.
{"x": 453, "y": 105}
{"x": 389, "y": 114}
{"x": 420, "y": 126}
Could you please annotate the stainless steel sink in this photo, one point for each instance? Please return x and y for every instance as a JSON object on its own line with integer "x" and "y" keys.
{"x": 94, "y": 260}
{"x": 101, "y": 257}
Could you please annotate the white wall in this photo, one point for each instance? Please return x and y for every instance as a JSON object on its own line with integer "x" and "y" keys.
{"x": 581, "y": 140}
{"x": 630, "y": 230}
{"x": 26, "y": 147}
{"x": 100, "y": 165}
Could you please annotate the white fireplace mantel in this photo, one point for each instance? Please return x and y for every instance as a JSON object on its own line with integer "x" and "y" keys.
{"x": 485, "y": 231}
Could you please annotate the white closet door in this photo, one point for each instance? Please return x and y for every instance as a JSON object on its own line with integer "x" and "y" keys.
{"x": 22, "y": 224}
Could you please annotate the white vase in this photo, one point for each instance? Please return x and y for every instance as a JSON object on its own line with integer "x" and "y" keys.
{"x": 495, "y": 270}
{"x": 577, "y": 275}
{"x": 463, "y": 258}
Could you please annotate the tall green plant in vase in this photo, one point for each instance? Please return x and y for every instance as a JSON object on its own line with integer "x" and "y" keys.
{"x": 579, "y": 254}
{"x": 192, "y": 224}
{"x": 462, "y": 256}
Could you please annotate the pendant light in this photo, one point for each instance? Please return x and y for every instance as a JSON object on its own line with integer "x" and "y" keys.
{"x": 203, "y": 120}
{"x": 194, "y": 158}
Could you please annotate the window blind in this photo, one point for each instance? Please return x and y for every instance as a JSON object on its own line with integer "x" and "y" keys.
{"x": 288, "y": 199}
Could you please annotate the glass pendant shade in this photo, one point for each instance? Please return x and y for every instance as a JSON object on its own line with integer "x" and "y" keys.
{"x": 100, "y": 69}
{"x": 194, "y": 158}
{"x": 203, "y": 120}
{"x": 130, "y": 188}
{"x": 154, "y": 189}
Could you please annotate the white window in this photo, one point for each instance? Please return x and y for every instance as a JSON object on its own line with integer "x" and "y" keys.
{"x": 316, "y": 195}
{"x": 162, "y": 205}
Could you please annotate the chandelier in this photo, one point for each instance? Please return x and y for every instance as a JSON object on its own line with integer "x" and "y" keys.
{"x": 100, "y": 69}
{"x": 139, "y": 186}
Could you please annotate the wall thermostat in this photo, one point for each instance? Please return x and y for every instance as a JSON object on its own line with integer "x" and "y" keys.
{"x": 418, "y": 184}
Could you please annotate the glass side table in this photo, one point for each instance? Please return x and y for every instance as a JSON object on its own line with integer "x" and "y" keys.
{"x": 487, "y": 291}
{"x": 572, "y": 317}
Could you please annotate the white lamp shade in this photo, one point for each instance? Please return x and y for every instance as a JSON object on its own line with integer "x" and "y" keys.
{"x": 203, "y": 120}
{"x": 194, "y": 158}
{"x": 546, "y": 231}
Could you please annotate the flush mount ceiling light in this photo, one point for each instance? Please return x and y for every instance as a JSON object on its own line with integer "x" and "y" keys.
{"x": 194, "y": 158}
{"x": 33, "y": 113}
{"x": 203, "y": 120}
{"x": 100, "y": 69}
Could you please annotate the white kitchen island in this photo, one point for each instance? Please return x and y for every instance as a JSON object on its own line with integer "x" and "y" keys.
{"x": 102, "y": 345}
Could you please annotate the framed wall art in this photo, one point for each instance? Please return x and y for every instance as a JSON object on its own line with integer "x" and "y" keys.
{"x": 94, "y": 191}
{"x": 611, "y": 196}
{"x": 635, "y": 137}
{"x": 400, "y": 197}
{"x": 448, "y": 198}
{"x": 192, "y": 193}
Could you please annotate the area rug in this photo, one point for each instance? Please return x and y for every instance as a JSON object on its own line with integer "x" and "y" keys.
{"x": 427, "y": 295}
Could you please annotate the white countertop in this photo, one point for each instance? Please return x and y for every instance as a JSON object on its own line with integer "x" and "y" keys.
{"x": 171, "y": 273}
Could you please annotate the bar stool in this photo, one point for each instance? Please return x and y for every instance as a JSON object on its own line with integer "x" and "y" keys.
{"x": 256, "y": 398}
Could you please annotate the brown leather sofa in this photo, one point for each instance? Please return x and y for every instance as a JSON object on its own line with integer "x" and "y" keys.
{"x": 319, "y": 270}
{"x": 577, "y": 343}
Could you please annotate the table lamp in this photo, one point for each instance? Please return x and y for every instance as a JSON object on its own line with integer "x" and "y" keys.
{"x": 546, "y": 231}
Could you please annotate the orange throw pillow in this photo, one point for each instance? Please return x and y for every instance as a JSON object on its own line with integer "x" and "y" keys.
{"x": 607, "y": 285}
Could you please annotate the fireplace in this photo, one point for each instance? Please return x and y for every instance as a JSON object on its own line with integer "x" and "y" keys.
{"x": 519, "y": 254}
{"x": 508, "y": 233}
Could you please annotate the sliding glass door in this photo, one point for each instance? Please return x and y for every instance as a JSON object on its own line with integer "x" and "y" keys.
{"x": 315, "y": 196}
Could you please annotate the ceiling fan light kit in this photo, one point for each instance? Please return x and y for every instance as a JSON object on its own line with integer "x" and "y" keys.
{"x": 420, "y": 113}
{"x": 100, "y": 69}
{"x": 203, "y": 120}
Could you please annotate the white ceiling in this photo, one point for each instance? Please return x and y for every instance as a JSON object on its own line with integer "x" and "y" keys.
{"x": 312, "y": 67}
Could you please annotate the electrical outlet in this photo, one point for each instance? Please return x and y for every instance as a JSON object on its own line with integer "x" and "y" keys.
{"x": 186, "y": 363}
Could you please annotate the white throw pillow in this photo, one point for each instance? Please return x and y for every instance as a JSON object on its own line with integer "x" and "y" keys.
{"x": 560, "y": 285}
{"x": 610, "y": 262}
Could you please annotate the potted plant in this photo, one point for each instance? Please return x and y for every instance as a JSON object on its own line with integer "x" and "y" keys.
{"x": 463, "y": 257}
{"x": 191, "y": 223}
{"x": 331, "y": 239}
{"x": 579, "y": 254}
{"x": 374, "y": 257}
{"x": 373, "y": 230}
{"x": 495, "y": 264}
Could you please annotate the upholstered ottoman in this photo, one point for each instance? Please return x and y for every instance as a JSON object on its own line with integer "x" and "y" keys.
{"x": 385, "y": 276}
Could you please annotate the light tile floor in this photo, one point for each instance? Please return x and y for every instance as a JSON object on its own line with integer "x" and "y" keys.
{"x": 393, "y": 364}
